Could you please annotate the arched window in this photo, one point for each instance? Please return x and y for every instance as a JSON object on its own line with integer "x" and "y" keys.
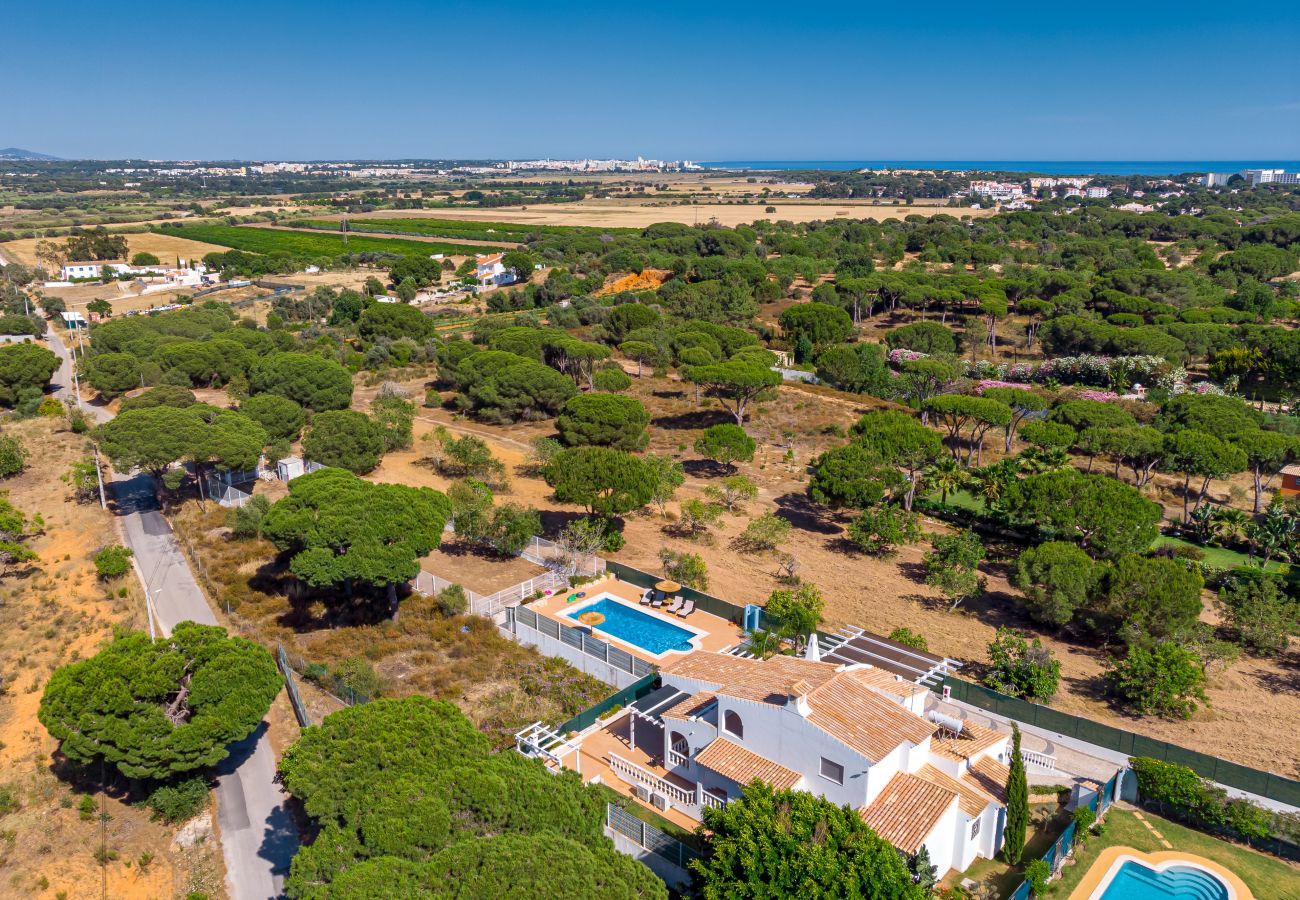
{"x": 732, "y": 725}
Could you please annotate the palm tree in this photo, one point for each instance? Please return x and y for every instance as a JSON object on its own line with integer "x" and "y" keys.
{"x": 947, "y": 475}
{"x": 991, "y": 481}
{"x": 1275, "y": 534}
{"x": 1228, "y": 524}
{"x": 1033, "y": 460}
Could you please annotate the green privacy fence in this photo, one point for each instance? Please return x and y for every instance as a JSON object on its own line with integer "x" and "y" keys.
{"x": 707, "y": 602}
{"x": 1056, "y": 853}
{"x": 1244, "y": 778}
{"x": 629, "y": 694}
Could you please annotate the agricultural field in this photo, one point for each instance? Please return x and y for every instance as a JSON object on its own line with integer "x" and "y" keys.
{"x": 308, "y": 245}
{"x": 637, "y": 213}
{"x": 448, "y": 228}
{"x": 167, "y": 245}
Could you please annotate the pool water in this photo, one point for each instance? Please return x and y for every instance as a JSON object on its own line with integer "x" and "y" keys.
{"x": 632, "y": 626}
{"x": 1135, "y": 881}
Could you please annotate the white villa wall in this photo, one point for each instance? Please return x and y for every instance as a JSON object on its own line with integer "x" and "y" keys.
{"x": 941, "y": 841}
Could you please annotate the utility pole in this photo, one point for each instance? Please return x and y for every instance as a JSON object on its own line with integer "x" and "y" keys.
{"x": 99, "y": 477}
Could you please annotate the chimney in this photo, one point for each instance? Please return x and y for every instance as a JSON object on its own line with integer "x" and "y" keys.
{"x": 798, "y": 696}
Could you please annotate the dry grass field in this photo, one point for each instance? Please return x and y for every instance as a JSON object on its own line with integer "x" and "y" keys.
{"x": 165, "y": 246}
{"x": 55, "y": 614}
{"x": 631, "y": 213}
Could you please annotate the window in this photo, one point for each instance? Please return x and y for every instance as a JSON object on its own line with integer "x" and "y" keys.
{"x": 832, "y": 771}
{"x": 732, "y": 725}
{"x": 974, "y": 829}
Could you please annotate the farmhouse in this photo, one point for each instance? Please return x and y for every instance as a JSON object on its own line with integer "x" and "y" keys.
{"x": 74, "y": 270}
{"x": 490, "y": 270}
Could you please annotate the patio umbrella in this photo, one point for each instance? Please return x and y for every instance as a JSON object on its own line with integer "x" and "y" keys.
{"x": 668, "y": 586}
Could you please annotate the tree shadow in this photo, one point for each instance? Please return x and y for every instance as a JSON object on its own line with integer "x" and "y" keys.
{"x": 705, "y": 468}
{"x": 805, "y": 515}
{"x": 694, "y": 420}
{"x": 669, "y": 394}
{"x": 554, "y": 520}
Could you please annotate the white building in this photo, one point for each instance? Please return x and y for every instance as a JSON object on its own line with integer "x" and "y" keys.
{"x": 850, "y": 732}
{"x": 490, "y": 271}
{"x": 91, "y": 269}
{"x": 1270, "y": 176}
{"x": 998, "y": 190}
{"x": 1096, "y": 193}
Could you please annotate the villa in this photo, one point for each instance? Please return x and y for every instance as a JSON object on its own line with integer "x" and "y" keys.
{"x": 490, "y": 271}
{"x": 846, "y": 721}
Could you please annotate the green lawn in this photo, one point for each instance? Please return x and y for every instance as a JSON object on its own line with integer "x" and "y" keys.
{"x": 1006, "y": 878}
{"x": 1220, "y": 557}
{"x": 1267, "y": 877}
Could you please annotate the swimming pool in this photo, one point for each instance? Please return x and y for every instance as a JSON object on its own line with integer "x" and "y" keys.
{"x": 630, "y": 625}
{"x": 1134, "y": 881}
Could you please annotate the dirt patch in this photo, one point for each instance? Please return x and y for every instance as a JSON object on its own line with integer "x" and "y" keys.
{"x": 51, "y": 616}
{"x": 478, "y": 570}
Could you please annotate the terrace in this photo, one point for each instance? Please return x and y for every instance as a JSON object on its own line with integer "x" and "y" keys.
{"x": 706, "y": 630}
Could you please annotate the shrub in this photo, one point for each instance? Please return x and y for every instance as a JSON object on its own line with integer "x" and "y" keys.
{"x": 766, "y": 532}
{"x": 880, "y": 529}
{"x": 179, "y": 801}
{"x": 13, "y": 455}
{"x": 1036, "y": 873}
{"x": 686, "y": 568}
{"x": 1164, "y": 679}
{"x": 1021, "y": 669}
{"x": 50, "y": 407}
{"x": 451, "y": 601}
{"x": 908, "y": 637}
{"x": 611, "y": 380}
{"x": 952, "y": 566}
{"x": 113, "y": 562}
{"x": 359, "y": 676}
{"x": 1083, "y": 819}
{"x": 246, "y": 521}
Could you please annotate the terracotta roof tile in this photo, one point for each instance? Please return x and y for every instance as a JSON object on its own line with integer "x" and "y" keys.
{"x": 991, "y": 776}
{"x": 907, "y": 810}
{"x": 973, "y": 741}
{"x": 859, "y": 717}
{"x": 743, "y": 766}
{"x": 690, "y": 707}
{"x": 760, "y": 680}
{"x": 974, "y": 799}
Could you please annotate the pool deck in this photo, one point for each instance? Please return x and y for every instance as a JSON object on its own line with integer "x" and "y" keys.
{"x": 1111, "y": 858}
{"x": 716, "y": 632}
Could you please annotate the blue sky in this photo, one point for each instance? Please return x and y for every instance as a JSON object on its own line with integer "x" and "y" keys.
{"x": 284, "y": 79}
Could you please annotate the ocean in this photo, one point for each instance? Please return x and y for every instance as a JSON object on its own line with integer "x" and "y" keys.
{"x": 1037, "y": 167}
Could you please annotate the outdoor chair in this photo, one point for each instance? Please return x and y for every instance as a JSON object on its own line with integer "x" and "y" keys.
{"x": 658, "y": 601}
{"x": 687, "y": 608}
{"x": 677, "y": 604}
{"x": 647, "y": 597}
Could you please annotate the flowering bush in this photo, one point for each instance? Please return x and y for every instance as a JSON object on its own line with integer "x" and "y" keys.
{"x": 994, "y": 383}
{"x": 904, "y": 355}
{"x": 1102, "y": 371}
{"x": 1101, "y": 396}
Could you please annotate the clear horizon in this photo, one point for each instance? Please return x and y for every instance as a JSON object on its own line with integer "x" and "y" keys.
{"x": 841, "y": 82}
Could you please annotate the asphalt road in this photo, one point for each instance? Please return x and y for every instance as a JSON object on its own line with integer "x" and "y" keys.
{"x": 258, "y": 837}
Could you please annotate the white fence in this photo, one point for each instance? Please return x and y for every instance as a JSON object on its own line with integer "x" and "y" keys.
{"x": 492, "y": 604}
{"x": 553, "y": 556}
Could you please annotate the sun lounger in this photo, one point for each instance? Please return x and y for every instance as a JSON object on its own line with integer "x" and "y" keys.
{"x": 647, "y": 597}
{"x": 677, "y": 604}
{"x": 687, "y": 609}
